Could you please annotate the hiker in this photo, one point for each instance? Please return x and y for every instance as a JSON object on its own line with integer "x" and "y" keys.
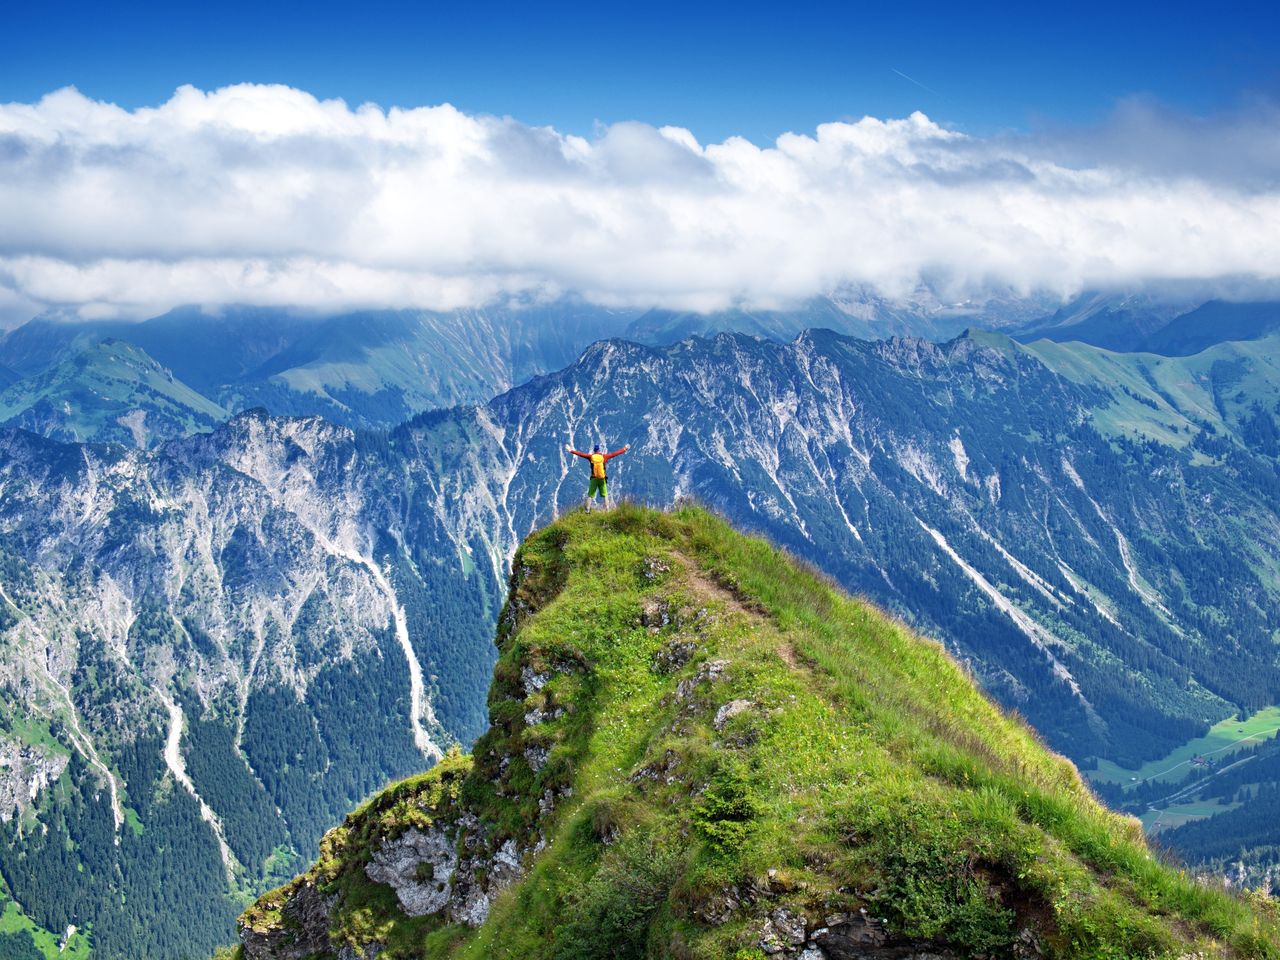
{"x": 599, "y": 476}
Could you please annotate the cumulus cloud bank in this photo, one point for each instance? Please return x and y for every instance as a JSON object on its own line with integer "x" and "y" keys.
{"x": 266, "y": 195}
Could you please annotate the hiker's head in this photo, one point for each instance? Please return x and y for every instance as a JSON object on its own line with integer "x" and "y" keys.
{"x": 596, "y": 448}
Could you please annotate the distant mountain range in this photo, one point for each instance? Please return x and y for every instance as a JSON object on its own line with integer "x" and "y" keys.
{"x": 365, "y": 369}
{"x": 1148, "y": 324}
{"x": 378, "y": 369}
{"x": 215, "y": 646}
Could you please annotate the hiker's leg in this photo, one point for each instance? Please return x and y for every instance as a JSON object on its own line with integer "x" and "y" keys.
{"x": 604, "y": 493}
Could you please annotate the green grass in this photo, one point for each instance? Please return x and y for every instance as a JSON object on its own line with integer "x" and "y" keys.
{"x": 1223, "y": 739}
{"x": 1177, "y": 393}
{"x": 135, "y": 825}
{"x": 867, "y": 773}
{"x": 13, "y": 920}
{"x": 36, "y": 732}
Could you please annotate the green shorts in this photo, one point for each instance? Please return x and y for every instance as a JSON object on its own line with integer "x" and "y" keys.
{"x": 598, "y": 485}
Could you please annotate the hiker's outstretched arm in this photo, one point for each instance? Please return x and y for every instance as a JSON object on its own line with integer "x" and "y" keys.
{"x": 578, "y": 453}
{"x": 616, "y": 453}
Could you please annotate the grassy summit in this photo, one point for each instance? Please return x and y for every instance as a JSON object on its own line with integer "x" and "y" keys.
{"x": 702, "y": 749}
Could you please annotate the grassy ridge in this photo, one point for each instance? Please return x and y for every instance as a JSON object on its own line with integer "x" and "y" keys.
{"x": 812, "y": 756}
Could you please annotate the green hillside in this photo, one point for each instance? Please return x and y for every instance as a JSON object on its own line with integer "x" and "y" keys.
{"x": 1171, "y": 399}
{"x": 701, "y": 748}
{"x": 109, "y": 390}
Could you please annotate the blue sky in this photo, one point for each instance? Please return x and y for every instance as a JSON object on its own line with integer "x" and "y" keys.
{"x": 749, "y": 69}
{"x": 224, "y": 154}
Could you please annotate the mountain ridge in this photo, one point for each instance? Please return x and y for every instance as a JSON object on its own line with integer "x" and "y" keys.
{"x": 108, "y": 391}
{"x": 375, "y": 369}
{"x": 700, "y": 750}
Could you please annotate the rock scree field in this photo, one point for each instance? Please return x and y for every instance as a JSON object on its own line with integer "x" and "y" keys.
{"x": 701, "y": 748}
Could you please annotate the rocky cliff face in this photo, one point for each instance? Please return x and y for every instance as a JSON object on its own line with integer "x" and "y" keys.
{"x": 26, "y": 770}
{"x": 229, "y": 635}
{"x": 239, "y": 634}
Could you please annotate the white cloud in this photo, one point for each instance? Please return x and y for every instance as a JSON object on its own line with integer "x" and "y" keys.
{"x": 265, "y": 195}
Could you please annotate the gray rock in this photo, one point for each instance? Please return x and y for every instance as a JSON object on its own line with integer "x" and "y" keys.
{"x": 304, "y": 933}
{"x": 25, "y": 770}
{"x": 770, "y": 942}
{"x": 536, "y": 756}
{"x": 673, "y": 655}
{"x": 532, "y": 680}
{"x": 1027, "y": 945}
{"x": 860, "y": 938}
{"x": 655, "y": 568}
{"x": 473, "y": 909}
{"x": 790, "y": 926}
{"x": 472, "y": 900}
{"x": 655, "y": 614}
{"x": 400, "y": 864}
{"x": 719, "y": 909}
{"x": 538, "y": 715}
{"x": 506, "y": 868}
{"x": 731, "y": 710}
{"x": 708, "y": 672}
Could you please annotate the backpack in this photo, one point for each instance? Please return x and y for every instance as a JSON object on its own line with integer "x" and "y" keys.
{"x": 597, "y": 466}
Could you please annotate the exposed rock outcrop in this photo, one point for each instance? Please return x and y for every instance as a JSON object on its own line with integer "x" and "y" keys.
{"x": 300, "y": 929}
{"x": 25, "y": 770}
{"x": 419, "y": 867}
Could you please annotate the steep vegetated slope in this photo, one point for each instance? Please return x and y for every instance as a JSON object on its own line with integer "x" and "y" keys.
{"x": 233, "y": 637}
{"x": 700, "y": 749}
{"x": 109, "y": 391}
